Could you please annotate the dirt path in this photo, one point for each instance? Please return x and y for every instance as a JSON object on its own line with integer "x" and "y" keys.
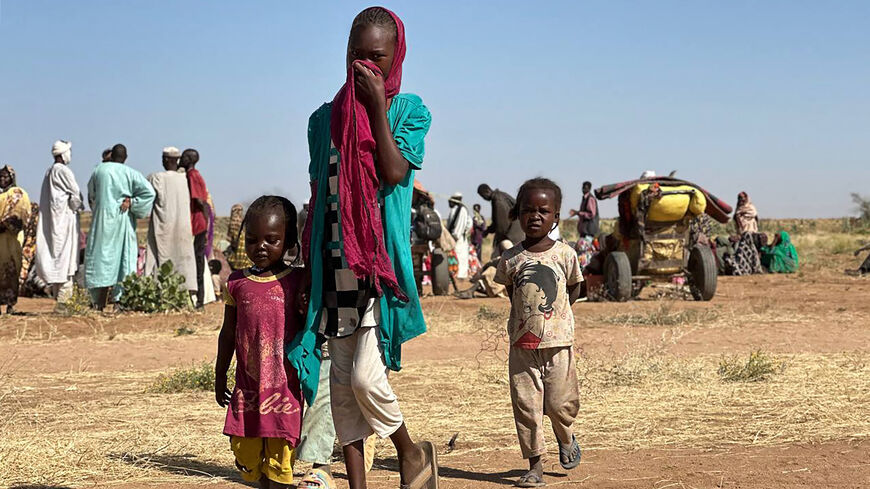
{"x": 655, "y": 414}
{"x": 840, "y": 465}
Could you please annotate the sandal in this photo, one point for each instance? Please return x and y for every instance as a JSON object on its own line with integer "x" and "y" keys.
{"x": 316, "y": 479}
{"x": 530, "y": 479}
{"x": 428, "y": 477}
{"x": 570, "y": 457}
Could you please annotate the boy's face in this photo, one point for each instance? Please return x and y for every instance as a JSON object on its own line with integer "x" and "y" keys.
{"x": 372, "y": 43}
{"x": 538, "y": 213}
{"x": 264, "y": 239}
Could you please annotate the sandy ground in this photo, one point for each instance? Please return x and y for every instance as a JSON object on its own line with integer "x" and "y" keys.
{"x": 75, "y": 393}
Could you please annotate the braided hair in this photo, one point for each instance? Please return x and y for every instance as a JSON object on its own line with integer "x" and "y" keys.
{"x": 377, "y": 16}
{"x": 271, "y": 203}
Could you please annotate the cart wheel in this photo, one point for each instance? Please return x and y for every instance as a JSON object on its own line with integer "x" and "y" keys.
{"x": 617, "y": 276}
{"x": 440, "y": 273}
{"x": 703, "y": 273}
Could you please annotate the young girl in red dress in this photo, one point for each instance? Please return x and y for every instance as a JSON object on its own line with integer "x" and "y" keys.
{"x": 264, "y": 412}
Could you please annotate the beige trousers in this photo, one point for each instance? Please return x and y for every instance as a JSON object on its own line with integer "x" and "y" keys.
{"x": 543, "y": 382}
{"x": 363, "y": 403}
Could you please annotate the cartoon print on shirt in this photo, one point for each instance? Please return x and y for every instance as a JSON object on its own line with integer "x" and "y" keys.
{"x": 546, "y": 281}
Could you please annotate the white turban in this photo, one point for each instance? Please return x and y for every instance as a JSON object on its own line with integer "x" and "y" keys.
{"x": 172, "y": 152}
{"x": 63, "y": 149}
{"x": 648, "y": 174}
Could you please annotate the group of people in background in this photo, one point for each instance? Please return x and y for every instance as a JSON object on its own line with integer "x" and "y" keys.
{"x": 749, "y": 250}
{"x": 746, "y": 251}
{"x": 54, "y": 253}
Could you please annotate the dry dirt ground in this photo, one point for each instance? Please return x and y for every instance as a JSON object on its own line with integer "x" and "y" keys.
{"x": 77, "y": 410}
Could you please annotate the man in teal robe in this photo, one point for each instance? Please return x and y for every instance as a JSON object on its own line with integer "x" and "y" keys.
{"x": 118, "y": 195}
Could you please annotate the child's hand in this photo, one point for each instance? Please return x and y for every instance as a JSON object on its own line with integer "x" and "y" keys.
{"x": 221, "y": 394}
{"x": 370, "y": 89}
{"x": 303, "y": 293}
{"x": 125, "y": 204}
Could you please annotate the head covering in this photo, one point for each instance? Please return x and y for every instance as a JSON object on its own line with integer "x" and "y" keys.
{"x": 63, "y": 149}
{"x": 648, "y": 174}
{"x": 457, "y": 197}
{"x": 745, "y": 214}
{"x": 172, "y": 152}
{"x": 362, "y": 229}
{"x": 782, "y": 257}
{"x": 11, "y": 171}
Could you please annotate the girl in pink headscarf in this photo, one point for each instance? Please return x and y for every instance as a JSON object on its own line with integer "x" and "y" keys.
{"x": 365, "y": 148}
{"x": 745, "y": 215}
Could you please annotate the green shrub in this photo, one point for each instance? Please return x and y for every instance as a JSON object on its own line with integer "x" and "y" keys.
{"x": 194, "y": 378}
{"x": 165, "y": 292}
{"x": 758, "y": 367}
{"x": 78, "y": 304}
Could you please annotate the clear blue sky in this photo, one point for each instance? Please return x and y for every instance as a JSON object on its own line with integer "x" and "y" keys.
{"x": 769, "y": 97}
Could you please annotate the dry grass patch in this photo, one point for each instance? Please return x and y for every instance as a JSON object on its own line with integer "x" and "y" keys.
{"x": 443, "y": 318}
{"x": 638, "y": 402}
{"x": 84, "y": 429}
{"x": 758, "y": 367}
{"x": 664, "y": 315}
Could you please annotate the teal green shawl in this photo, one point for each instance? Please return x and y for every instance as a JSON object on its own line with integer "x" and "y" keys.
{"x": 782, "y": 257}
{"x": 400, "y": 321}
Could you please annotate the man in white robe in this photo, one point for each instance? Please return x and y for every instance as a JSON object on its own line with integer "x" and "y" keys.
{"x": 459, "y": 224}
{"x": 169, "y": 234}
{"x": 57, "y": 235}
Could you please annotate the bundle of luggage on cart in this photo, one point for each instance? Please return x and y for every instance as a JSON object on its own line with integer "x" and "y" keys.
{"x": 653, "y": 242}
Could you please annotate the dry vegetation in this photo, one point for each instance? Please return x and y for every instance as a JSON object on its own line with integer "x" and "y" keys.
{"x": 774, "y": 361}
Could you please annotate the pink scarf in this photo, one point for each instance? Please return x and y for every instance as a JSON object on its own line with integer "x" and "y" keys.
{"x": 358, "y": 183}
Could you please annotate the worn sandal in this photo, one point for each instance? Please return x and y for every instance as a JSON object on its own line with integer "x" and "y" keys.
{"x": 316, "y": 479}
{"x": 570, "y": 457}
{"x": 530, "y": 479}
{"x": 428, "y": 477}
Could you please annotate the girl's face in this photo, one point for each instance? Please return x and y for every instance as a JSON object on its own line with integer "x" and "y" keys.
{"x": 265, "y": 239}
{"x": 538, "y": 214}
{"x": 372, "y": 43}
